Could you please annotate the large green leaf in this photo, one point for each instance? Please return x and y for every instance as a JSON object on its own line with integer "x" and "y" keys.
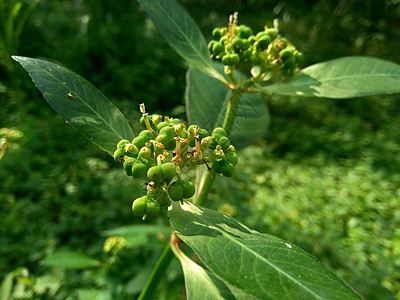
{"x": 181, "y": 33}
{"x": 199, "y": 283}
{"x": 341, "y": 78}
{"x": 70, "y": 260}
{"x": 207, "y": 101}
{"x": 79, "y": 103}
{"x": 258, "y": 264}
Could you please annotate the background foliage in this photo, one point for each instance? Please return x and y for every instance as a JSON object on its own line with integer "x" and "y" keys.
{"x": 325, "y": 177}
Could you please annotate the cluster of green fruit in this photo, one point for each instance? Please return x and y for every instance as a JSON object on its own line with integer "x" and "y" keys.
{"x": 160, "y": 152}
{"x": 266, "y": 49}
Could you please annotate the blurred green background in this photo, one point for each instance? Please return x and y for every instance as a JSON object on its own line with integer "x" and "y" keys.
{"x": 325, "y": 177}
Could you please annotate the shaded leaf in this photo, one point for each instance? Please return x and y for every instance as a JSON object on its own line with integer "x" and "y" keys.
{"x": 259, "y": 264}
{"x": 181, "y": 33}
{"x": 70, "y": 260}
{"x": 79, "y": 103}
{"x": 207, "y": 101}
{"x": 341, "y": 78}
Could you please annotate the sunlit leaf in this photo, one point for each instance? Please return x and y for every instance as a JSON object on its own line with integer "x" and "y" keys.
{"x": 258, "y": 264}
{"x": 79, "y": 103}
{"x": 70, "y": 260}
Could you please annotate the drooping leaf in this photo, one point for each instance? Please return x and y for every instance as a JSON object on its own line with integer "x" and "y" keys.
{"x": 342, "y": 78}
{"x": 181, "y": 33}
{"x": 259, "y": 264}
{"x": 79, "y": 103}
{"x": 70, "y": 260}
{"x": 207, "y": 101}
{"x": 201, "y": 284}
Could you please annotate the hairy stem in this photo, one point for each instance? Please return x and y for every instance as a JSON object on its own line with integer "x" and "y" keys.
{"x": 157, "y": 273}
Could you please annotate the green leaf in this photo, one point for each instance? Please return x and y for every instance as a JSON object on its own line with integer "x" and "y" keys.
{"x": 258, "y": 264}
{"x": 70, "y": 260}
{"x": 79, "y": 103}
{"x": 181, "y": 33}
{"x": 342, "y": 78}
{"x": 201, "y": 284}
{"x": 207, "y": 101}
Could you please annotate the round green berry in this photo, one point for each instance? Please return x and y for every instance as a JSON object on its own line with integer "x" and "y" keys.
{"x": 162, "y": 173}
{"x": 227, "y": 170}
{"x": 188, "y": 189}
{"x": 131, "y": 150}
{"x": 247, "y": 53}
{"x": 152, "y": 208}
{"x": 210, "y": 45}
{"x": 290, "y": 63}
{"x": 118, "y": 154}
{"x": 231, "y": 158}
{"x": 218, "y": 48}
{"x": 285, "y": 54}
{"x": 147, "y": 135}
{"x": 251, "y": 39}
{"x": 128, "y": 163}
{"x": 244, "y": 31}
{"x": 139, "y": 141}
{"x": 167, "y": 141}
{"x": 162, "y": 125}
{"x": 245, "y": 44}
{"x": 216, "y": 33}
{"x": 217, "y": 166}
{"x": 139, "y": 170}
{"x": 139, "y": 206}
{"x": 237, "y": 44}
{"x": 272, "y": 33}
{"x": 299, "y": 58}
{"x": 122, "y": 143}
{"x": 263, "y": 42}
{"x": 224, "y": 142}
{"x": 168, "y": 131}
{"x": 175, "y": 191}
{"x": 218, "y": 130}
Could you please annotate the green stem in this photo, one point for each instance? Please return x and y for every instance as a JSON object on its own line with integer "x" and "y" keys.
{"x": 157, "y": 273}
{"x": 205, "y": 189}
{"x": 233, "y": 106}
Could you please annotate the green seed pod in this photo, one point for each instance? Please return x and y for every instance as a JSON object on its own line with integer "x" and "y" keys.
{"x": 263, "y": 42}
{"x": 122, "y": 143}
{"x": 260, "y": 34}
{"x": 173, "y": 122}
{"x": 283, "y": 42}
{"x": 118, "y": 154}
{"x": 161, "y": 173}
{"x": 226, "y": 60}
{"x": 245, "y": 44}
{"x": 211, "y": 45}
{"x": 168, "y": 131}
{"x": 251, "y": 39}
{"x": 247, "y": 53}
{"x": 237, "y": 44}
{"x": 272, "y": 33}
{"x": 290, "y": 63}
{"x": 227, "y": 170}
{"x": 139, "y": 206}
{"x": 188, "y": 189}
{"x": 218, "y": 130}
{"x": 131, "y": 150}
{"x": 216, "y": 33}
{"x": 235, "y": 58}
{"x": 152, "y": 208}
{"x": 145, "y": 206}
{"x": 299, "y": 58}
{"x": 139, "y": 170}
{"x": 231, "y": 158}
{"x": 139, "y": 141}
{"x": 128, "y": 163}
{"x": 285, "y": 54}
{"x": 244, "y": 31}
{"x": 217, "y": 166}
{"x": 175, "y": 191}
{"x": 162, "y": 125}
{"x": 147, "y": 135}
{"x": 218, "y": 48}
{"x": 168, "y": 142}
{"x": 150, "y": 118}
{"x": 224, "y": 142}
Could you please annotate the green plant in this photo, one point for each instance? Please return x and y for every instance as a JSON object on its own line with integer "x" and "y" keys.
{"x": 236, "y": 262}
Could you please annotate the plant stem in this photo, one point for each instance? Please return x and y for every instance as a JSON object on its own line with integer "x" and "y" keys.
{"x": 233, "y": 106}
{"x": 157, "y": 273}
{"x": 205, "y": 188}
